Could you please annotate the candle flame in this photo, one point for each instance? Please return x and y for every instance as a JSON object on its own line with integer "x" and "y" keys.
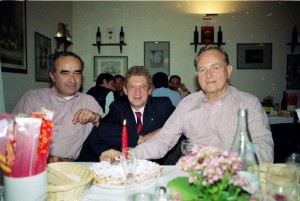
{"x": 124, "y": 122}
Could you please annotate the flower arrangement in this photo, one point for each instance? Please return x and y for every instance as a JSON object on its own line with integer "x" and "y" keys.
{"x": 213, "y": 176}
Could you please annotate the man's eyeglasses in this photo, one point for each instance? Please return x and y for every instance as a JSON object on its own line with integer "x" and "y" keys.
{"x": 142, "y": 87}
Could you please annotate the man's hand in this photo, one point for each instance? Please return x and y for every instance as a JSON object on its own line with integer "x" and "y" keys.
{"x": 109, "y": 154}
{"x": 143, "y": 138}
{"x": 54, "y": 159}
{"x": 84, "y": 116}
{"x": 183, "y": 87}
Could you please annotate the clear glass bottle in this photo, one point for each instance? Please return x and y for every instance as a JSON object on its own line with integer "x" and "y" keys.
{"x": 243, "y": 145}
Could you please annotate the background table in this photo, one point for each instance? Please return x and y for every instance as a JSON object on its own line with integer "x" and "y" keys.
{"x": 280, "y": 120}
{"x": 95, "y": 192}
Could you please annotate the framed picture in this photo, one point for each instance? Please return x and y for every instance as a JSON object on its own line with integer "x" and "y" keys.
{"x": 42, "y": 51}
{"x": 110, "y": 35}
{"x": 254, "y": 56}
{"x": 293, "y": 71}
{"x": 115, "y": 65}
{"x": 13, "y": 36}
{"x": 207, "y": 34}
{"x": 157, "y": 57}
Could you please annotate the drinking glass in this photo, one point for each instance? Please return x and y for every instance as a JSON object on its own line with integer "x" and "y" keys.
{"x": 141, "y": 197}
{"x": 128, "y": 162}
{"x": 281, "y": 182}
{"x": 186, "y": 147}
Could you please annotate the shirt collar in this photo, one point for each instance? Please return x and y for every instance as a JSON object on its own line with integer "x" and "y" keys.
{"x": 57, "y": 95}
{"x": 140, "y": 110}
{"x": 221, "y": 99}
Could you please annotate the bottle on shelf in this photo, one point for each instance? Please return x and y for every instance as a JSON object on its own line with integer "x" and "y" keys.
{"x": 220, "y": 36}
{"x": 295, "y": 36}
{"x": 196, "y": 38}
{"x": 98, "y": 36}
{"x": 98, "y": 39}
{"x": 284, "y": 101}
{"x": 122, "y": 39}
{"x": 196, "y": 35}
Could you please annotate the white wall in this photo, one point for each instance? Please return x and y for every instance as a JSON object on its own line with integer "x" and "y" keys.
{"x": 242, "y": 22}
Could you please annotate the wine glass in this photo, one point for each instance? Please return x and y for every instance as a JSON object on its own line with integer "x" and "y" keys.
{"x": 186, "y": 147}
{"x": 281, "y": 182}
{"x": 129, "y": 162}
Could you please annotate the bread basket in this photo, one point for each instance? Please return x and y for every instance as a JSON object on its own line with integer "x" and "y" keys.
{"x": 67, "y": 181}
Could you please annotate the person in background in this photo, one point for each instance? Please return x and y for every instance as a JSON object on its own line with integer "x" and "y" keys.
{"x": 75, "y": 113}
{"x": 209, "y": 117}
{"x": 103, "y": 91}
{"x": 161, "y": 88}
{"x": 119, "y": 93}
{"x": 154, "y": 112}
{"x": 176, "y": 85}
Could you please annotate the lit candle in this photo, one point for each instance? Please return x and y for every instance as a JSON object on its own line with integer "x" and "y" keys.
{"x": 124, "y": 136}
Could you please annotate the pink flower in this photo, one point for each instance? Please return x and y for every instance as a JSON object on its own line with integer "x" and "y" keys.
{"x": 213, "y": 164}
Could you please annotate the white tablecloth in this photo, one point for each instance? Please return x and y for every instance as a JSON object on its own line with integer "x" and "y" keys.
{"x": 280, "y": 120}
{"x": 98, "y": 193}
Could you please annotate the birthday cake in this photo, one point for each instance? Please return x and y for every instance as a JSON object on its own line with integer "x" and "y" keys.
{"x": 112, "y": 173}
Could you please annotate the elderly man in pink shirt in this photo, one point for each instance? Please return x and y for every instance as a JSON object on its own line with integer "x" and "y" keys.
{"x": 209, "y": 117}
{"x": 75, "y": 113}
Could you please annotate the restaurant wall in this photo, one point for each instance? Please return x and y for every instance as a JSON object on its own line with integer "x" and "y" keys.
{"x": 41, "y": 17}
{"x": 241, "y": 22}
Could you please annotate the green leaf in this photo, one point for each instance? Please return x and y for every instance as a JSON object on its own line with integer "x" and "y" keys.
{"x": 187, "y": 191}
{"x": 244, "y": 197}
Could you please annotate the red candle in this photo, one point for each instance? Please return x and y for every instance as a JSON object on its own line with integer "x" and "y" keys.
{"x": 124, "y": 136}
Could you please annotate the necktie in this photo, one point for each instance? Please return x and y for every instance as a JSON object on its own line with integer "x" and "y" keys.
{"x": 139, "y": 124}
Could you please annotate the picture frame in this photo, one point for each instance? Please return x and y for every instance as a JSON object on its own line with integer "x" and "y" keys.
{"x": 115, "y": 65}
{"x": 42, "y": 52}
{"x": 13, "y": 51}
{"x": 157, "y": 56}
{"x": 254, "y": 56}
{"x": 207, "y": 34}
{"x": 293, "y": 71}
{"x": 110, "y": 35}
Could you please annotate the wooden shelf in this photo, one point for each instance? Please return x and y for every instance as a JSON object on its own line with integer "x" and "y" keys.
{"x": 293, "y": 46}
{"x": 61, "y": 40}
{"x": 110, "y": 44}
{"x": 196, "y": 44}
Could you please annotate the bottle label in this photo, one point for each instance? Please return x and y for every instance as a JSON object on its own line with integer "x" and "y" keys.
{"x": 98, "y": 39}
{"x": 122, "y": 39}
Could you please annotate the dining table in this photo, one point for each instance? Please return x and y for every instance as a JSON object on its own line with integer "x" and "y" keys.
{"x": 275, "y": 119}
{"x": 121, "y": 192}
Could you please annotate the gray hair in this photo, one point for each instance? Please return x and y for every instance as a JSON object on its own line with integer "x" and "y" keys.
{"x": 211, "y": 47}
